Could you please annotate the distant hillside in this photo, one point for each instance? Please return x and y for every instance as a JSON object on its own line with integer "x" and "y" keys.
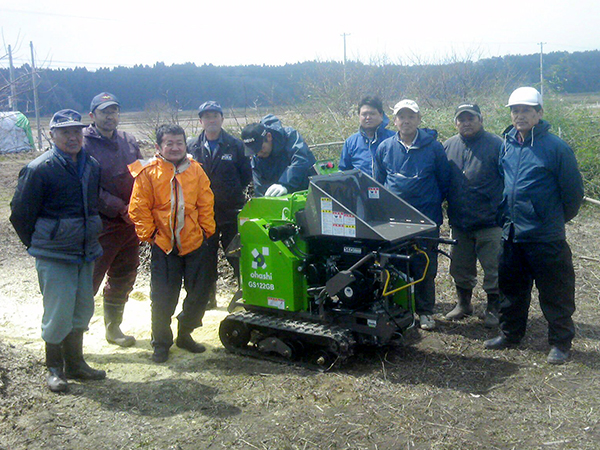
{"x": 185, "y": 86}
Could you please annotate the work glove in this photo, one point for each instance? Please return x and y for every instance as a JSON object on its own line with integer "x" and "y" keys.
{"x": 276, "y": 190}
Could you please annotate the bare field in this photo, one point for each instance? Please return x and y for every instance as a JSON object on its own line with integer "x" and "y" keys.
{"x": 441, "y": 391}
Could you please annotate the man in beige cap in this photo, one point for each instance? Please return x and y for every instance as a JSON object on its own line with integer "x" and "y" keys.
{"x": 412, "y": 164}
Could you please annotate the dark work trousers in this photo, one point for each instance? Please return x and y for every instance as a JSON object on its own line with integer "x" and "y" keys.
{"x": 119, "y": 261}
{"x": 550, "y": 265}
{"x": 425, "y": 290}
{"x": 473, "y": 245}
{"x": 225, "y": 232}
{"x": 166, "y": 275}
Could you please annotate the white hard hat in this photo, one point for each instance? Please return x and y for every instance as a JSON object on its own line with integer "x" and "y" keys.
{"x": 525, "y": 96}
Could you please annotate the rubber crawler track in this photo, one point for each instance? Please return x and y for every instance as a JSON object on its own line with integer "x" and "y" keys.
{"x": 314, "y": 338}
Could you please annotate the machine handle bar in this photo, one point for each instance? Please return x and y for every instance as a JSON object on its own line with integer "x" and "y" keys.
{"x": 439, "y": 240}
{"x": 406, "y": 258}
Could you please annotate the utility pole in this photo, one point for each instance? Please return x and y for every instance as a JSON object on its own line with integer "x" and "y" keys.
{"x": 541, "y": 44}
{"x": 35, "y": 98}
{"x": 12, "y": 100}
{"x": 344, "y": 36}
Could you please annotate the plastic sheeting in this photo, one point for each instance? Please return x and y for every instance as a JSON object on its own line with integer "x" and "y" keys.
{"x": 15, "y": 133}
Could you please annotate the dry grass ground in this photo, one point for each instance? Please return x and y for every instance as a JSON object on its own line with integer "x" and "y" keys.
{"x": 443, "y": 391}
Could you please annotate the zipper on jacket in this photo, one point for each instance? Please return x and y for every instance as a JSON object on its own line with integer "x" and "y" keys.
{"x": 514, "y": 190}
{"x": 174, "y": 208}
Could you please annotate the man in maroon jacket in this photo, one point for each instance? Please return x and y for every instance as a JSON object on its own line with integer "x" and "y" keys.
{"x": 114, "y": 150}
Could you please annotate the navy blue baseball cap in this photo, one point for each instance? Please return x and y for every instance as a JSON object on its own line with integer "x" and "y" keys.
{"x": 104, "y": 100}
{"x": 209, "y": 106}
{"x": 66, "y": 118}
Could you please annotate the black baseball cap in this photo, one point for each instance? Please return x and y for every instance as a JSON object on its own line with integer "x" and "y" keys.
{"x": 253, "y": 136}
{"x": 467, "y": 107}
{"x": 104, "y": 100}
{"x": 66, "y": 118}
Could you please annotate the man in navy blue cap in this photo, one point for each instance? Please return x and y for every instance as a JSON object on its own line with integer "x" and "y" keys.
{"x": 55, "y": 214}
{"x": 222, "y": 158}
{"x": 114, "y": 150}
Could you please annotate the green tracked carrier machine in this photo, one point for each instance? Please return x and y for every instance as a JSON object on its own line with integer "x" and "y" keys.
{"x": 324, "y": 270}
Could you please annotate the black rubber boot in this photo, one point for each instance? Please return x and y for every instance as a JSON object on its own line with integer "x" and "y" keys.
{"x": 113, "y": 317}
{"x": 463, "y": 308}
{"x": 500, "y": 342}
{"x": 55, "y": 377}
{"x": 212, "y": 297}
{"x": 491, "y": 319}
{"x": 558, "y": 356}
{"x": 185, "y": 341}
{"x": 75, "y": 365}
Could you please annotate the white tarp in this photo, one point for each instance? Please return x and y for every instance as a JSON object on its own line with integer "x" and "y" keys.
{"x": 15, "y": 133}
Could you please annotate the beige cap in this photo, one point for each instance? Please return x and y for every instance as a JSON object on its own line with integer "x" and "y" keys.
{"x": 406, "y": 104}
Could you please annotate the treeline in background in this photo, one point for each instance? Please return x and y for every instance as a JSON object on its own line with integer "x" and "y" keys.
{"x": 187, "y": 85}
{"x": 320, "y": 98}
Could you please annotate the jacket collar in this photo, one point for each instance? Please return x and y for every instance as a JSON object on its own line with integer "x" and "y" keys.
{"x": 378, "y": 130}
{"x": 181, "y": 167}
{"x": 542, "y": 128}
{"x": 424, "y": 137}
{"x": 92, "y": 132}
{"x": 473, "y": 138}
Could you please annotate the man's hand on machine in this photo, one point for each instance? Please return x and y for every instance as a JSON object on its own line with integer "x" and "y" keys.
{"x": 276, "y": 190}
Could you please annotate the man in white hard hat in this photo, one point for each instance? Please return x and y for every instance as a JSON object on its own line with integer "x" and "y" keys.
{"x": 543, "y": 190}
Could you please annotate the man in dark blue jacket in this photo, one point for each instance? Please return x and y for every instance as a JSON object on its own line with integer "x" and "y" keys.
{"x": 543, "y": 190}
{"x": 55, "y": 214}
{"x": 473, "y": 199}
{"x": 281, "y": 160}
{"x": 228, "y": 168}
{"x": 359, "y": 149}
{"x": 412, "y": 164}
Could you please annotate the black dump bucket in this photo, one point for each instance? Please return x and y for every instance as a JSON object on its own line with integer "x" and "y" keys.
{"x": 352, "y": 205}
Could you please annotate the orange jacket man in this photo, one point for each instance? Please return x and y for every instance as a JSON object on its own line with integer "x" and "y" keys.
{"x": 172, "y": 208}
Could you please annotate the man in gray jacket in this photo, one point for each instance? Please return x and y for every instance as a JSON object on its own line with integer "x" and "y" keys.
{"x": 473, "y": 199}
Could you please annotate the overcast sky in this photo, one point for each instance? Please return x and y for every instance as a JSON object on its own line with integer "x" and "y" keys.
{"x": 110, "y": 33}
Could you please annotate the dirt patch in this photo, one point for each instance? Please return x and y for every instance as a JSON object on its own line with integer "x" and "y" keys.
{"x": 443, "y": 391}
